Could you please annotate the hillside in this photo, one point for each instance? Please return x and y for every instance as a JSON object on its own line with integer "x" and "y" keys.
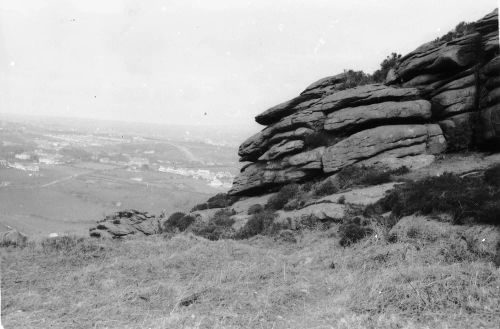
{"x": 432, "y": 279}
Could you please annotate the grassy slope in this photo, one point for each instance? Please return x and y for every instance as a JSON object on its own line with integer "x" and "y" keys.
{"x": 259, "y": 283}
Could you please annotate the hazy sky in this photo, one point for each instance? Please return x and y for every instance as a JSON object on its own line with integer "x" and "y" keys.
{"x": 170, "y": 61}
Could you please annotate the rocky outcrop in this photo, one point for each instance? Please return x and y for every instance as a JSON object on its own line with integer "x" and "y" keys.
{"x": 435, "y": 58}
{"x": 126, "y": 223}
{"x": 13, "y": 238}
{"x": 442, "y": 97}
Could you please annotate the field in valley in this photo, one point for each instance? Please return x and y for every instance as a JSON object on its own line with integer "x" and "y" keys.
{"x": 61, "y": 178}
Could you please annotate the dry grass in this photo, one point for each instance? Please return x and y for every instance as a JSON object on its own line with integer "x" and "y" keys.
{"x": 257, "y": 283}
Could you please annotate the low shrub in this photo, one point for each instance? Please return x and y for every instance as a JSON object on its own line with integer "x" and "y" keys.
{"x": 362, "y": 175}
{"x": 466, "y": 199}
{"x": 219, "y": 226}
{"x": 201, "y": 206}
{"x": 387, "y": 64}
{"x": 400, "y": 171}
{"x": 325, "y": 188}
{"x": 223, "y": 218}
{"x": 177, "y": 220}
{"x": 353, "y": 230}
{"x": 354, "y": 79}
{"x": 375, "y": 177}
{"x": 285, "y": 194}
{"x": 254, "y": 209}
{"x": 492, "y": 176}
{"x": 307, "y": 186}
{"x": 211, "y": 232}
{"x": 461, "y": 29}
{"x": 220, "y": 200}
{"x": 259, "y": 223}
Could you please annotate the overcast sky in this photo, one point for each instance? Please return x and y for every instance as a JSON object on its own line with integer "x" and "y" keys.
{"x": 170, "y": 61}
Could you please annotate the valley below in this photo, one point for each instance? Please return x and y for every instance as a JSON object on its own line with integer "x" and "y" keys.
{"x": 57, "y": 177}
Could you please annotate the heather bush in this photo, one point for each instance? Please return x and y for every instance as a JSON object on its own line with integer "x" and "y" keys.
{"x": 353, "y": 230}
{"x": 285, "y": 194}
{"x": 255, "y": 208}
{"x": 461, "y": 29}
{"x": 177, "y": 220}
{"x": 492, "y": 176}
{"x": 354, "y": 79}
{"x": 220, "y": 200}
{"x": 259, "y": 223}
{"x": 218, "y": 227}
{"x": 387, "y": 64}
{"x": 466, "y": 199}
{"x": 341, "y": 199}
{"x": 362, "y": 175}
{"x": 325, "y": 188}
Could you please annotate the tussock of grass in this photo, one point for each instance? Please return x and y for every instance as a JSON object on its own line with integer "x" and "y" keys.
{"x": 255, "y": 283}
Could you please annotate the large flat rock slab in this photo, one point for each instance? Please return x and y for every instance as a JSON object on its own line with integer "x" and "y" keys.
{"x": 371, "y": 142}
{"x": 354, "y": 118}
{"x": 364, "y": 95}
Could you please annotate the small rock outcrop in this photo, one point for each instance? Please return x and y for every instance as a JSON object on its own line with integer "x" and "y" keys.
{"x": 126, "y": 223}
{"x": 442, "y": 97}
{"x": 13, "y": 238}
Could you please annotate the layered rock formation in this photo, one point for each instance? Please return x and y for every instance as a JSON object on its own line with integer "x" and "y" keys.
{"x": 442, "y": 97}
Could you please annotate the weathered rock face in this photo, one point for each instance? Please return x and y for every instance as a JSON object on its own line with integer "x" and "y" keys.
{"x": 352, "y": 117}
{"x": 443, "y": 96}
{"x": 399, "y": 139}
{"x": 489, "y": 103}
{"x": 126, "y": 223}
